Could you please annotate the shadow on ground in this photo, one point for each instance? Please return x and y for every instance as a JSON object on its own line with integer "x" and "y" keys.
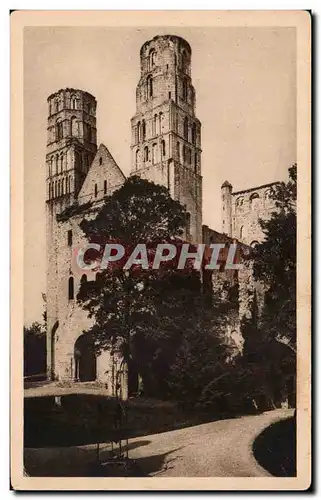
{"x": 275, "y": 448}
{"x": 84, "y": 464}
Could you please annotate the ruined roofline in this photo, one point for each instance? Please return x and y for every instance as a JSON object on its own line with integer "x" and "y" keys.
{"x": 169, "y": 37}
{"x": 257, "y": 187}
{"x": 70, "y": 89}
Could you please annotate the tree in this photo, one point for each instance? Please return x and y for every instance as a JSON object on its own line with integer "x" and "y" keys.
{"x": 34, "y": 351}
{"x": 275, "y": 264}
{"x": 140, "y": 313}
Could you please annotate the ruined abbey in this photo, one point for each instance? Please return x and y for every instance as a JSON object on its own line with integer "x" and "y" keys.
{"x": 166, "y": 149}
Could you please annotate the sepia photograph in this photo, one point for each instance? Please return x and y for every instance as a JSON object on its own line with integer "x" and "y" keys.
{"x": 162, "y": 324}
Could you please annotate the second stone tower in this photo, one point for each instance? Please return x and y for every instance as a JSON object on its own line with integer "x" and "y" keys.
{"x": 166, "y": 135}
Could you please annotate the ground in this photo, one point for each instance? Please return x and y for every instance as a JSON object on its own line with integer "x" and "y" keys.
{"x": 217, "y": 449}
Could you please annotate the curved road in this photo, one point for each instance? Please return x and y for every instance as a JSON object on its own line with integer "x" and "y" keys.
{"x": 216, "y": 449}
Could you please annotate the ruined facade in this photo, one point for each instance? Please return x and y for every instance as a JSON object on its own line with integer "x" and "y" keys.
{"x": 242, "y": 210}
{"x": 166, "y": 149}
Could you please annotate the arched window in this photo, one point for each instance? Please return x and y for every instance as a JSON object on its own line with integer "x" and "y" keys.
{"x": 154, "y": 154}
{"x": 188, "y": 224}
{"x": 66, "y": 185}
{"x": 254, "y": 201}
{"x": 74, "y": 132}
{"x": 96, "y": 190}
{"x": 144, "y": 129}
{"x": 184, "y": 90}
{"x": 138, "y": 128}
{"x": 195, "y": 162}
{"x": 137, "y": 158}
{"x": 184, "y": 153}
{"x": 163, "y": 148}
{"x": 184, "y": 61}
{"x": 149, "y": 83}
{"x": 145, "y": 153}
{"x": 186, "y": 128}
{"x": 57, "y": 163}
{"x": 49, "y": 191}
{"x": 69, "y": 185}
{"x": 241, "y": 232}
{"x": 59, "y": 130}
{"x": 152, "y": 59}
{"x": 50, "y": 166}
{"x": 73, "y": 102}
{"x": 56, "y": 106}
{"x": 61, "y": 162}
{"x": 55, "y": 189}
{"x": 71, "y": 288}
{"x": 155, "y": 125}
{"x": 193, "y": 133}
{"x": 62, "y": 187}
{"x": 160, "y": 122}
{"x": 189, "y": 156}
{"x": 105, "y": 187}
{"x": 178, "y": 150}
{"x": 59, "y": 190}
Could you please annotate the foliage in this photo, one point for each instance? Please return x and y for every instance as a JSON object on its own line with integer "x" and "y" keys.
{"x": 34, "y": 349}
{"x": 275, "y": 264}
{"x": 151, "y": 317}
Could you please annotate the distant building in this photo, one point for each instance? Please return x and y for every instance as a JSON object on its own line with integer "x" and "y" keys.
{"x": 242, "y": 210}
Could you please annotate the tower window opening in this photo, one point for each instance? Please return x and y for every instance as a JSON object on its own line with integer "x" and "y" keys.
{"x": 186, "y": 128}
{"x": 160, "y": 122}
{"x": 241, "y": 232}
{"x": 100, "y": 161}
{"x": 96, "y": 190}
{"x": 154, "y": 154}
{"x": 184, "y": 62}
{"x": 152, "y": 59}
{"x": 71, "y": 288}
{"x": 146, "y": 153}
{"x": 73, "y": 103}
{"x": 69, "y": 185}
{"x": 138, "y": 132}
{"x": 137, "y": 158}
{"x": 188, "y": 224}
{"x": 163, "y": 148}
{"x": 62, "y": 187}
{"x": 195, "y": 163}
{"x": 178, "y": 151}
{"x": 144, "y": 129}
{"x": 83, "y": 279}
{"x": 105, "y": 187}
{"x": 155, "y": 125}
{"x": 57, "y": 163}
{"x": 61, "y": 163}
{"x": 149, "y": 82}
{"x": 184, "y": 90}
{"x": 59, "y": 130}
{"x": 184, "y": 153}
{"x": 56, "y": 106}
{"x": 193, "y": 133}
{"x": 74, "y": 131}
{"x": 55, "y": 191}
{"x": 169, "y": 95}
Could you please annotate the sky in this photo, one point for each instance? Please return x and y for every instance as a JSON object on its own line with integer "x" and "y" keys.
{"x": 245, "y": 82}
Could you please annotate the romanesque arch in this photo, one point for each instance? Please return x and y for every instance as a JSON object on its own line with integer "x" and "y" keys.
{"x": 85, "y": 359}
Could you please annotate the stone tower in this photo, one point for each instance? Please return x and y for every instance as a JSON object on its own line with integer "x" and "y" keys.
{"x": 226, "y": 196}
{"x": 71, "y": 147}
{"x": 166, "y": 135}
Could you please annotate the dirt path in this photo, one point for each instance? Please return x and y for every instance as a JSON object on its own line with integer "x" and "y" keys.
{"x": 216, "y": 449}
